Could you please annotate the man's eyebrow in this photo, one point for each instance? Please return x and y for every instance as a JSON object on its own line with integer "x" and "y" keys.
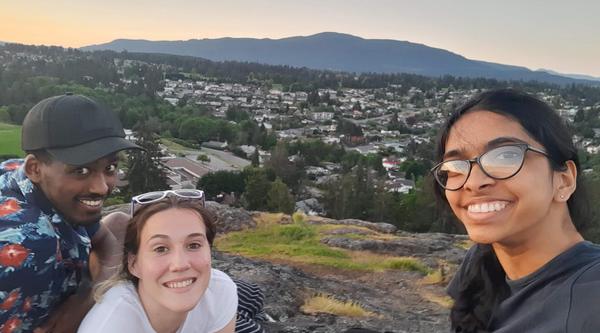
{"x": 491, "y": 144}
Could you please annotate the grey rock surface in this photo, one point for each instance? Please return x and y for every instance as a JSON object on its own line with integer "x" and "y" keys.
{"x": 394, "y": 297}
{"x": 379, "y": 227}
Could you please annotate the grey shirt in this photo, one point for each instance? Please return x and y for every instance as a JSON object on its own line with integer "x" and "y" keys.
{"x": 562, "y": 296}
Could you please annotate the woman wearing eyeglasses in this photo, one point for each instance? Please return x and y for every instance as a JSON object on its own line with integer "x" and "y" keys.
{"x": 509, "y": 171}
{"x": 166, "y": 283}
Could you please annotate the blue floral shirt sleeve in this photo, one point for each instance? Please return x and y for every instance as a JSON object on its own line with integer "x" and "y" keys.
{"x": 42, "y": 257}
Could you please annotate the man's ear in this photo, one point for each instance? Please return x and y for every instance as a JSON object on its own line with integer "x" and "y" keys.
{"x": 566, "y": 182}
{"x": 33, "y": 168}
{"x": 131, "y": 265}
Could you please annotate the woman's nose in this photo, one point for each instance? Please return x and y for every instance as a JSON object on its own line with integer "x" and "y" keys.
{"x": 477, "y": 179}
{"x": 180, "y": 261}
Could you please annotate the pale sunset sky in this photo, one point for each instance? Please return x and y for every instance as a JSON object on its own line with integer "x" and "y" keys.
{"x": 559, "y": 35}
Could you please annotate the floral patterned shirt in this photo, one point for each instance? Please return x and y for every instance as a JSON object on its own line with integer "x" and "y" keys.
{"x": 42, "y": 257}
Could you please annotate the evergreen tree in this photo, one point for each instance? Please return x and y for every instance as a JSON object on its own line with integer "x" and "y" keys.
{"x": 394, "y": 124}
{"x": 257, "y": 185}
{"x": 281, "y": 166}
{"x": 279, "y": 198}
{"x": 255, "y": 158}
{"x": 145, "y": 172}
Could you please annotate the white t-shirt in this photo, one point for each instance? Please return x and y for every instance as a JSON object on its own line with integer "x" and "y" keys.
{"x": 120, "y": 309}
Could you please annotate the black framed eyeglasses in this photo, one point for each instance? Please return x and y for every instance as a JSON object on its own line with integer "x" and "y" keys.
{"x": 152, "y": 197}
{"x": 498, "y": 163}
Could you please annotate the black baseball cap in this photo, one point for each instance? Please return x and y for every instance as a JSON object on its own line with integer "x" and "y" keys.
{"x": 73, "y": 129}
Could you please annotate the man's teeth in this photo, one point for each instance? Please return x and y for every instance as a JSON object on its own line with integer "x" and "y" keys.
{"x": 93, "y": 203}
{"x": 487, "y": 207}
{"x": 179, "y": 284}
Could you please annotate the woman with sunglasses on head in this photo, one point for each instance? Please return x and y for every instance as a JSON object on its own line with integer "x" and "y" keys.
{"x": 166, "y": 283}
{"x": 509, "y": 171}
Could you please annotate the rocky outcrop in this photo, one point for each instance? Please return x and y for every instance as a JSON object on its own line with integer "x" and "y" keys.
{"x": 396, "y": 298}
{"x": 425, "y": 246}
{"x": 379, "y": 227}
{"x": 230, "y": 218}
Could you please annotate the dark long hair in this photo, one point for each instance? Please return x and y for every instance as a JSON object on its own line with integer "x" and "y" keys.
{"x": 483, "y": 284}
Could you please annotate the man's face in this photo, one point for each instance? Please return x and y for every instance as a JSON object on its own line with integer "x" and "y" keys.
{"x": 78, "y": 192}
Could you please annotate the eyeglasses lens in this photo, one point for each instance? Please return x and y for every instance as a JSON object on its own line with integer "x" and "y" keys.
{"x": 502, "y": 162}
{"x": 452, "y": 174}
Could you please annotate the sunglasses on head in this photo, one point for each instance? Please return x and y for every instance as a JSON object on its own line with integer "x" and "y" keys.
{"x": 152, "y": 197}
{"x": 498, "y": 163}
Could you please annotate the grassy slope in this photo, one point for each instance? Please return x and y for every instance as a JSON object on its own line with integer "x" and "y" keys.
{"x": 300, "y": 243}
{"x": 10, "y": 140}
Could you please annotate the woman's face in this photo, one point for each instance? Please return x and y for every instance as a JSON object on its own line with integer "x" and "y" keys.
{"x": 499, "y": 211}
{"x": 173, "y": 263}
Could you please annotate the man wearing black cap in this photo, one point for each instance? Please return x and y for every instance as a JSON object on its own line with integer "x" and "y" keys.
{"x": 50, "y": 208}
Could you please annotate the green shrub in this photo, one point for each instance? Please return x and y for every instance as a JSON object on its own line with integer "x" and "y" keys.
{"x": 296, "y": 232}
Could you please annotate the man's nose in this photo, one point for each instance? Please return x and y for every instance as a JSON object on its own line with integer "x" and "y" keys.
{"x": 99, "y": 184}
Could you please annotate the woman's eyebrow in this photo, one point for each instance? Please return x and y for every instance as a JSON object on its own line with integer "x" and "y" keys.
{"x": 197, "y": 234}
{"x": 502, "y": 140}
{"x": 453, "y": 153}
{"x": 491, "y": 144}
{"x": 158, "y": 236}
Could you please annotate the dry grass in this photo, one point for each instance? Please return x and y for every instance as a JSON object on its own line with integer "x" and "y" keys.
{"x": 444, "y": 301}
{"x": 434, "y": 277}
{"x": 466, "y": 244}
{"x": 298, "y": 217}
{"x": 263, "y": 218}
{"x": 328, "y": 304}
{"x": 370, "y": 234}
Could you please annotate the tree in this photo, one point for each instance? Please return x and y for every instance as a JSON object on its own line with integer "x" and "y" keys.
{"x": 279, "y": 198}
{"x": 352, "y": 195}
{"x": 255, "y": 158}
{"x": 414, "y": 169}
{"x": 257, "y": 185}
{"x": 145, "y": 171}
{"x": 236, "y": 114}
{"x": 349, "y": 128}
{"x": 394, "y": 124}
{"x": 203, "y": 158}
{"x": 217, "y": 182}
{"x": 4, "y": 115}
{"x": 281, "y": 166}
{"x": 313, "y": 98}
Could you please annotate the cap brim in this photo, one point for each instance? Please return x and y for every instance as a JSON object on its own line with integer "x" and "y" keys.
{"x": 91, "y": 151}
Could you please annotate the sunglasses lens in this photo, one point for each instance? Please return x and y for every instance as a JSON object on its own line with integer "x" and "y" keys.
{"x": 189, "y": 193}
{"x": 503, "y": 162}
{"x": 149, "y": 197}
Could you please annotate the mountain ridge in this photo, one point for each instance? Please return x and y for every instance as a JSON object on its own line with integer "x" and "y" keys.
{"x": 339, "y": 52}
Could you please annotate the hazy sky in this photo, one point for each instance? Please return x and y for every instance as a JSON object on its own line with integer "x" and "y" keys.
{"x": 558, "y": 35}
